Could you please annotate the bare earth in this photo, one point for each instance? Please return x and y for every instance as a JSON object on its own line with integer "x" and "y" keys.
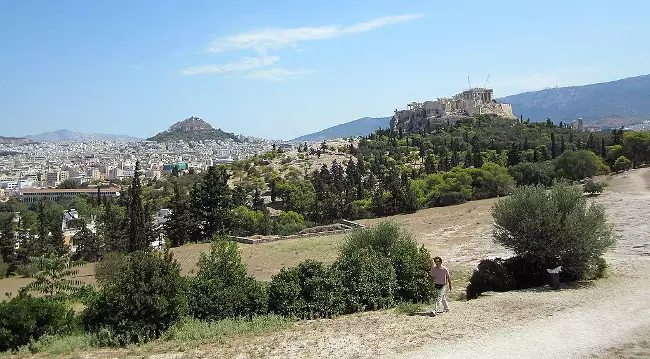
{"x": 606, "y": 319}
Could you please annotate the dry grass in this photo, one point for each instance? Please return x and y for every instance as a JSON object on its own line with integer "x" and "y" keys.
{"x": 460, "y": 234}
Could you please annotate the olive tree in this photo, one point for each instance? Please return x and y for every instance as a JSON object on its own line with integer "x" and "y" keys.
{"x": 556, "y": 225}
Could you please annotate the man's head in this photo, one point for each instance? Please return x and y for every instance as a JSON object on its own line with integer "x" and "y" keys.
{"x": 437, "y": 261}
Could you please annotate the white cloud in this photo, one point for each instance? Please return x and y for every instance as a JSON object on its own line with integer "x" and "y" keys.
{"x": 244, "y": 64}
{"x": 278, "y": 74}
{"x": 270, "y": 39}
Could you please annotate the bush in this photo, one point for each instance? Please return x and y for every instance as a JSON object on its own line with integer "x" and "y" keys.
{"x": 577, "y": 165}
{"x": 310, "y": 290}
{"x": 593, "y": 187}
{"x": 533, "y": 173}
{"x": 140, "y": 302}
{"x": 27, "y": 270}
{"x": 490, "y": 275}
{"x": 499, "y": 275}
{"x": 555, "y": 225}
{"x": 410, "y": 263}
{"x": 368, "y": 280}
{"x": 4, "y": 268}
{"x": 622, "y": 164}
{"x": 24, "y": 319}
{"x": 109, "y": 268}
{"x": 222, "y": 289}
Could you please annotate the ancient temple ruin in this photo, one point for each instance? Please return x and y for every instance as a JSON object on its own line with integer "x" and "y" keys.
{"x": 467, "y": 103}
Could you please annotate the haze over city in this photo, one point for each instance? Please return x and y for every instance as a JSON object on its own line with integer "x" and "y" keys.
{"x": 279, "y": 70}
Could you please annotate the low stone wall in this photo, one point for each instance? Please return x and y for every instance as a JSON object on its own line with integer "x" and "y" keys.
{"x": 249, "y": 240}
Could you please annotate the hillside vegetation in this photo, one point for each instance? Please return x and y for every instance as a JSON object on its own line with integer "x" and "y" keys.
{"x": 192, "y": 129}
{"x": 142, "y": 294}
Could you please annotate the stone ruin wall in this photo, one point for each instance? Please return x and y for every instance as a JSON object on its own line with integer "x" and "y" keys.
{"x": 420, "y": 115}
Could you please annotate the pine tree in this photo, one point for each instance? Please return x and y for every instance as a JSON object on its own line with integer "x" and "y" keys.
{"x": 239, "y": 195}
{"x": 429, "y": 165}
{"x": 111, "y": 227}
{"x": 179, "y": 225}
{"x": 136, "y": 216}
{"x": 212, "y": 203}
{"x": 7, "y": 237}
{"x": 514, "y": 157}
{"x": 258, "y": 202}
{"x": 89, "y": 246}
{"x": 55, "y": 241}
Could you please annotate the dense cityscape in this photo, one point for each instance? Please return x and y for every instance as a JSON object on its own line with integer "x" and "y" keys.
{"x": 25, "y": 167}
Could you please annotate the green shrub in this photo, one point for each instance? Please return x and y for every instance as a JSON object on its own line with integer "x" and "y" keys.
{"x": 24, "y": 319}
{"x": 490, "y": 275}
{"x": 310, "y": 290}
{"x": 410, "y": 263}
{"x": 109, "y": 268}
{"x": 368, "y": 279}
{"x": 140, "y": 302}
{"x": 222, "y": 289}
{"x": 593, "y": 187}
{"x": 598, "y": 268}
{"x": 533, "y": 173}
{"x": 499, "y": 275}
{"x": 27, "y": 269}
{"x": 4, "y": 268}
{"x": 557, "y": 224}
{"x": 622, "y": 163}
{"x": 577, "y": 165}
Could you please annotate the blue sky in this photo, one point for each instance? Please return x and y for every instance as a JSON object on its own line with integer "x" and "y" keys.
{"x": 280, "y": 69}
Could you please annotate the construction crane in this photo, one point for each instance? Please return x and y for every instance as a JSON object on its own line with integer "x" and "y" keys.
{"x": 486, "y": 81}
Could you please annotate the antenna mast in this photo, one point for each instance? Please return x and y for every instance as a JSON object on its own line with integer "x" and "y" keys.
{"x": 469, "y": 85}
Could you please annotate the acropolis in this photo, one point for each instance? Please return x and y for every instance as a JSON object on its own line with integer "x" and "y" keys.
{"x": 467, "y": 103}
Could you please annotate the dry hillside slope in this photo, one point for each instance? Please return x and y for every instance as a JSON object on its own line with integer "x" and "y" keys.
{"x": 609, "y": 318}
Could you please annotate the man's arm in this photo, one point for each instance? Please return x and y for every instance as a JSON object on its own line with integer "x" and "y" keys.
{"x": 449, "y": 279}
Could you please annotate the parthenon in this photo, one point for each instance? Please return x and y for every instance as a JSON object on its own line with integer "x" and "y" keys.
{"x": 467, "y": 103}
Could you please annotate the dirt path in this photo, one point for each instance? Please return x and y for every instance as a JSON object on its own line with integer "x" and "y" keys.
{"x": 610, "y": 325}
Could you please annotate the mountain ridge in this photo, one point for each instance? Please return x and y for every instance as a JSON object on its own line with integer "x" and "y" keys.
{"x": 605, "y": 104}
{"x": 73, "y": 136}
{"x": 359, "y": 127}
{"x": 15, "y": 140}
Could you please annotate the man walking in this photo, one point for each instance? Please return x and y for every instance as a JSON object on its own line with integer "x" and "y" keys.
{"x": 441, "y": 279}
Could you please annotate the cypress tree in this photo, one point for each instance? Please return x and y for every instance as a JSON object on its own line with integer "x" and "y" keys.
{"x": 179, "y": 225}
{"x": 89, "y": 245}
{"x": 136, "y": 216}
{"x": 554, "y": 153}
{"x": 7, "y": 235}
{"x": 212, "y": 203}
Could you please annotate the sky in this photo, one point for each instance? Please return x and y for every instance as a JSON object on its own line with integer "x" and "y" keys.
{"x": 281, "y": 69}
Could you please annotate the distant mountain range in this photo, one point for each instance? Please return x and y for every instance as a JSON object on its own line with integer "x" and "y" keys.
{"x": 360, "y": 127}
{"x": 607, "y": 104}
{"x": 16, "y": 140}
{"x": 72, "y": 136}
{"x": 192, "y": 129}
{"x": 628, "y": 98}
